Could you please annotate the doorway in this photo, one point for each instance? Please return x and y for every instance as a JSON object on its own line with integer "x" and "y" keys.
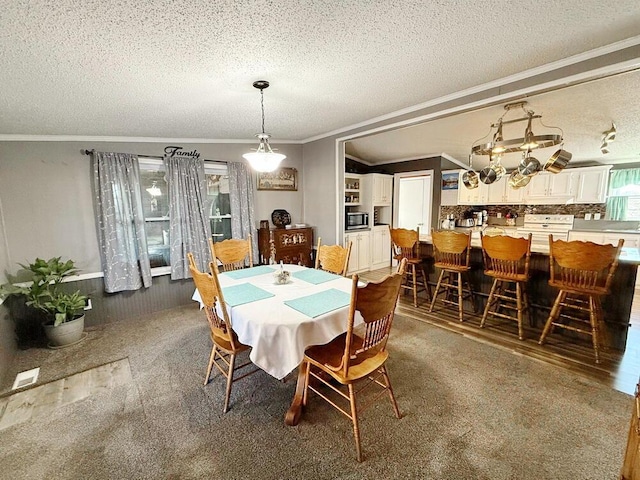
{"x": 413, "y": 194}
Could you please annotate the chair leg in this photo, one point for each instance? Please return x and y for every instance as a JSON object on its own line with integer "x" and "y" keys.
{"x": 489, "y": 300}
{"x": 425, "y": 279}
{"x": 414, "y": 285}
{"x": 520, "y": 308}
{"x": 460, "y": 296}
{"x": 435, "y": 294}
{"x": 555, "y": 312}
{"x": 594, "y": 311}
{"x": 211, "y": 359}
{"x": 232, "y": 361}
{"x": 354, "y": 419}
{"x": 392, "y": 397}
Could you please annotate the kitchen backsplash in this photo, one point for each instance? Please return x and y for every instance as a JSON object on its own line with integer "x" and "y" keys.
{"x": 577, "y": 210}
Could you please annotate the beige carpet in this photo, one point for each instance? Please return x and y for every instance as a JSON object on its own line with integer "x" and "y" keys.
{"x": 471, "y": 411}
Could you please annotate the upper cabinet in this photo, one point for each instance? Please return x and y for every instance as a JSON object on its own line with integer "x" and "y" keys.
{"x": 573, "y": 185}
{"x": 352, "y": 189}
{"x": 472, "y": 196}
{"x": 382, "y": 189}
{"x": 548, "y": 188}
{"x": 592, "y": 184}
{"x": 500, "y": 193}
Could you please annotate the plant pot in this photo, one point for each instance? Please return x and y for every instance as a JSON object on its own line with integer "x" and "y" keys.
{"x": 66, "y": 333}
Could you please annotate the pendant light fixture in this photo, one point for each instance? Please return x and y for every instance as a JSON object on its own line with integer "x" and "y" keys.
{"x": 263, "y": 159}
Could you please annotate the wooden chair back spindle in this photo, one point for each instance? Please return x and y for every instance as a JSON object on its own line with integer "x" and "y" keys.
{"x": 211, "y": 294}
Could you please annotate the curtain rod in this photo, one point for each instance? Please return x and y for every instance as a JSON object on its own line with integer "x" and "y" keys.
{"x": 89, "y": 152}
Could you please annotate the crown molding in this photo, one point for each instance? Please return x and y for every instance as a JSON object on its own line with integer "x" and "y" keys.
{"x": 112, "y": 139}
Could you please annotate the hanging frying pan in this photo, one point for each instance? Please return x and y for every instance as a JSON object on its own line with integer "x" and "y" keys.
{"x": 470, "y": 177}
{"x": 558, "y": 161}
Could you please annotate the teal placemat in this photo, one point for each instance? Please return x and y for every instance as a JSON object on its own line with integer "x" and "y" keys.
{"x": 315, "y": 276}
{"x": 249, "y": 272}
{"x": 244, "y": 293}
{"x": 320, "y": 303}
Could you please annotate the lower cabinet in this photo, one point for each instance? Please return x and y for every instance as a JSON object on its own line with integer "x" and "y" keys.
{"x": 292, "y": 246}
{"x": 360, "y": 259}
{"x": 380, "y": 247}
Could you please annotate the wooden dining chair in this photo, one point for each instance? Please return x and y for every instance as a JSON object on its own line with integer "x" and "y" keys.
{"x": 359, "y": 355}
{"x": 333, "y": 258}
{"x": 225, "y": 342}
{"x": 406, "y": 244}
{"x": 582, "y": 271}
{"x": 452, "y": 251}
{"x": 506, "y": 260}
{"x": 231, "y": 254}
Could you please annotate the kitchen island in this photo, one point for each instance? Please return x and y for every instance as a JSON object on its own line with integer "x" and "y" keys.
{"x": 616, "y": 306}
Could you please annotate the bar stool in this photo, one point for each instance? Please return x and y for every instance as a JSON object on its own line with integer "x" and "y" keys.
{"x": 506, "y": 259}
{"x": 583, "y": 272}
{"x": 406, "y": 244}
{"x": 452, "y": 251}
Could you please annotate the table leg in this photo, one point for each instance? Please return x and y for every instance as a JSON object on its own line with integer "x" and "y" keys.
{"x": 292, "y": 417}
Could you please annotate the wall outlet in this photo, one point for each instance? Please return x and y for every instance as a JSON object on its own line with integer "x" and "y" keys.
{"x": 87, "y": 304}
{"x": 587, "y": 216}
{"x": 596, "y": 216}
{"x": 499, "y": 215}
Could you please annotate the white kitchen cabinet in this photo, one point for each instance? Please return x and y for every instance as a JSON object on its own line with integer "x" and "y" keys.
{"x": 380, "y": 247}
{"x": 382, "y": 189}
{"x": 630, "y": 239}
{"x": 360, "y": 258}
{"x": 592, "y": 184}
{"x": 472, "y": 196}
{"x": 551, "y": 188}
{"x": 353, "y": 189}
{"x": 501, "y": 193}
{"x": 595, "y": 237}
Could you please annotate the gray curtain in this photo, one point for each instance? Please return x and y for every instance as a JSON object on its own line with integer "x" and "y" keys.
{"x": 189, "y": 227}
{"x": 120, "y": 221}
{"x": 241, "y": 200}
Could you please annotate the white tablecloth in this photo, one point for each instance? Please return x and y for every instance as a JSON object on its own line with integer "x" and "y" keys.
{"x": 277, "y": 333}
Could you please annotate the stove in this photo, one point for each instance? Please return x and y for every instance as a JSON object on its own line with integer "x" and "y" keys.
{"x": 542, "y": 225}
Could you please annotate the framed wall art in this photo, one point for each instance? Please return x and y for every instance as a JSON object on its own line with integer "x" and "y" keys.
{"x": 284, "y": 178}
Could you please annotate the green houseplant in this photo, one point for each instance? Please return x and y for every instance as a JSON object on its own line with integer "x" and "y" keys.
{"x": 63, "y": 310}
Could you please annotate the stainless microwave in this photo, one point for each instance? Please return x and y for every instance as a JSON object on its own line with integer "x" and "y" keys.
{"x": 356, "y": 220}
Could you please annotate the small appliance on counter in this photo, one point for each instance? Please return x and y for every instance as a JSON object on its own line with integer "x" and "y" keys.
{"x": 356, "y": 220}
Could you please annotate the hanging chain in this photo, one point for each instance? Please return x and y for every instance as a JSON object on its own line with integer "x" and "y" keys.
{"x": 262, "y": 106}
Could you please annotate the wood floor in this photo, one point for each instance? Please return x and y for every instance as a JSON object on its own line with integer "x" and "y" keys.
{"x": 617, "y": 370}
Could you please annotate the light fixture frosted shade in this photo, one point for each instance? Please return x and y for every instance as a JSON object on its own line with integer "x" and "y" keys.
{"x": 264, "y": 161}
{"x": 154, "y": 191}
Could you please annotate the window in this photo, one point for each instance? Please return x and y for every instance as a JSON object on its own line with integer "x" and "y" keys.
{"x": 155, "y": 202}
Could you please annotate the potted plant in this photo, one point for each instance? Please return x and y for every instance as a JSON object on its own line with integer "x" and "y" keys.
{"x": 64, "y": 311}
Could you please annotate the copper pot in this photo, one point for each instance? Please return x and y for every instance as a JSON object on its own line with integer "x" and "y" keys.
{"x": 558, "y": 161}
{"x": 470, "y": 179}
{"x": 517, "y": 180}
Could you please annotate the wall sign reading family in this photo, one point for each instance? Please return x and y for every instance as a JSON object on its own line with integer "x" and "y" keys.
{"x": 281, "y": 179}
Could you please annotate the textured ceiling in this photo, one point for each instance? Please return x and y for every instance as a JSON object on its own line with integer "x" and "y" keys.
{"x": 184, "y": 69}
{"x": 583, "y": 112}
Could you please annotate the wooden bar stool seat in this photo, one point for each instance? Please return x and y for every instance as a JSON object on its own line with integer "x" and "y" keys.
{"x": 406, "y": 245}
{"x": 452, "y": 251}
{"x": 506, "y": 260}
{"x": 583, "y": 272}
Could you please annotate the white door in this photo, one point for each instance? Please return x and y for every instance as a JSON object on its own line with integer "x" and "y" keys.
{"x": 412, "y": 207}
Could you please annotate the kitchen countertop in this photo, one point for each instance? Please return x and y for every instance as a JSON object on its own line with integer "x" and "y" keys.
{"x": 627, "y": 254}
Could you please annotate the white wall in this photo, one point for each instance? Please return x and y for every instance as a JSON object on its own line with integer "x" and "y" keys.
{"x": 47, "y": 199}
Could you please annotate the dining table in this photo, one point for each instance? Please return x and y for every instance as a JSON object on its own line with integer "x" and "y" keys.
{"x": 279, "y": 321}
